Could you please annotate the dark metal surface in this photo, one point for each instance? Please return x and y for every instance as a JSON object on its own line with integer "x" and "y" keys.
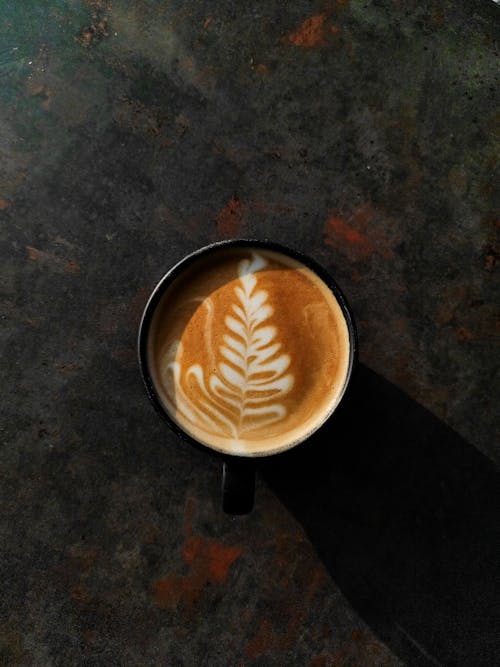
{"x": 362, "y": 133}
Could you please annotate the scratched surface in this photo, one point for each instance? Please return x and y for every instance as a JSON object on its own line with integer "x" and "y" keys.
{"x": 365, "y": 134}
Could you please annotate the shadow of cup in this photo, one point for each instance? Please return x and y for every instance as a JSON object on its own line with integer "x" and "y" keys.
{"x": 405, "y": 515}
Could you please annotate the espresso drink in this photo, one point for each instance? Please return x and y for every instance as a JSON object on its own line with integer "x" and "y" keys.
{"x": 248, "y": 350}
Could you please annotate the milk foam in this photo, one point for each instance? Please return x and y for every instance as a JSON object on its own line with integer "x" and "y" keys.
{"x": 230, "y": 371}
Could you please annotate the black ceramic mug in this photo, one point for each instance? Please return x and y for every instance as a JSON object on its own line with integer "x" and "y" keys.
{"x": 246, "y": 349}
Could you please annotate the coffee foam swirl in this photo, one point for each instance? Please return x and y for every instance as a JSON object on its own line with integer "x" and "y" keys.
{"x": 249, "y": 351}
{"x": 244, "y": 395}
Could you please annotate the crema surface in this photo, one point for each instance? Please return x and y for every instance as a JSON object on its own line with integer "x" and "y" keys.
{"x": 249, "y": 351}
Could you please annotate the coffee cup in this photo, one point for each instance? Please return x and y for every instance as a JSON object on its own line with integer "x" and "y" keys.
{"x": 246, "y": 349}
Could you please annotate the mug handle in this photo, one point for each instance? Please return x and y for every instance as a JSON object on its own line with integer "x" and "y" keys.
{"x": 238, "y": 485}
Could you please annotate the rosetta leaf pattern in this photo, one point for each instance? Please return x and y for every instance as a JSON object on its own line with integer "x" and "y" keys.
{"x": 252, "y": 372}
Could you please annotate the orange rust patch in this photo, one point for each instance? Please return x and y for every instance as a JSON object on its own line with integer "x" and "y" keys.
{"x": 209, "y": 561}
{"x": 46, "y": 258}
{"x": 310, "y": 34}
{"x": 230, "y": 219}
{"x": 360, "y": 233}
{"x": 168, "y": 592}
{"x": 33, "y": 253}
{"x": 72, "y": 267}
{"x": 99, "y": 28}
{"x": 489, "y": 262}
{"x": 89, "y": 635}
{"x": 82, "y": 558}
{"x": 4, "y": 203}
{"x": 86, "y": 37}
{"x": 72, "y": 571}
{"x": 464, "y": 335}
{"x": 265, "y": 640}
{"x": 262, "y": 69}
{"x": 217, "y": 558}
{"x": 40, "y": 91}
{"x": 340, "y": 228}
{"x": 492, "y": 249}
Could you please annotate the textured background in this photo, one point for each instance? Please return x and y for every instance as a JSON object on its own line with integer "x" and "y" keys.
{"x": 365, "y": 134}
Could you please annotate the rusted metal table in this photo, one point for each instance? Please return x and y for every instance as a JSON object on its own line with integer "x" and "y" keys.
{"x": 363, "y": 134}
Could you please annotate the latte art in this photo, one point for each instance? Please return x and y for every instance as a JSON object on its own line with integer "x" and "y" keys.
{"x": 249, "y": 351}
{"x": 243, "y": 394}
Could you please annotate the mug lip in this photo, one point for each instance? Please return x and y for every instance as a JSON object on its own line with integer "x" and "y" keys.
{"x": 175, "y": 271}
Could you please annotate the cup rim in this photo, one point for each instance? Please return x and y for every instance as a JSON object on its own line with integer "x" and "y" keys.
{"x": 175, "y": 271}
